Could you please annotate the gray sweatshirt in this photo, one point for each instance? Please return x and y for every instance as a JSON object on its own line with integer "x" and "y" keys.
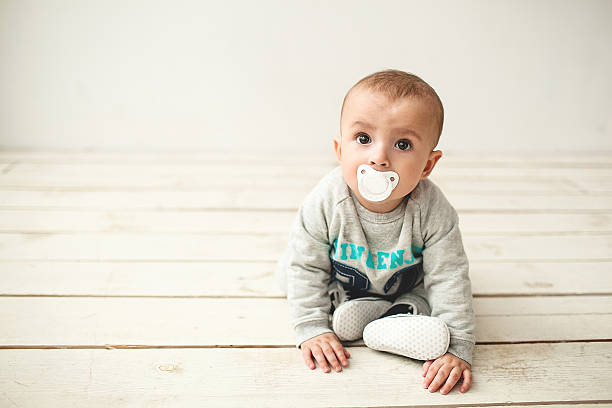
{"x": 415, "y": 246}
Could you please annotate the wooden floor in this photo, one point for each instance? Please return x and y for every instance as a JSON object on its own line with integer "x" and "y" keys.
{"x": 146, "y": 280}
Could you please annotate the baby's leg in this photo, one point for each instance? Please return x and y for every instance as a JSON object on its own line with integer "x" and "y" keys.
{"x": 412, "y": 334}
{"x": 352, "y": 312}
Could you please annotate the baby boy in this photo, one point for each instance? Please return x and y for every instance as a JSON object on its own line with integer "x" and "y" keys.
{"x": 375, "y": 250}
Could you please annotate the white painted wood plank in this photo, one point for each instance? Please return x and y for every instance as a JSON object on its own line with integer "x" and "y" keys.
{"x": 210, "y": 222}
{"x": 140, "y": 278}
{"x": 182, "y": 176}
{"x": 253, "y": 222}
{"x": 518, "y": 223}
{"x": 520, "y": 306}
{"x": 299, "y": 168}
{"x": 228, "y": 176}
{"x": 462, "y": 159}
{"x": 445, "y": 169}
{"x": 198, "y": 157}
{"x": 240, "y": 279}
{"x": 267, "y": 199}
{"x": 541, "y": 278}
{"x": 209, "y": 322}
{"x": 104, "y": 177}
{"x": 99, "y": 321}
{"x": 131, "y": 246}
{"x": 543, "y": 328}
{"x": 593, "y": 186}
{"x": 277, "y": 186}
{"x": 455, "y": 171}
{"x": 189, "y": 172}
{"x": 277, "y": 377}
{"x": 231, "y": 247}
{"x": 537, "y": 247}
{"x": 245, "y": 198}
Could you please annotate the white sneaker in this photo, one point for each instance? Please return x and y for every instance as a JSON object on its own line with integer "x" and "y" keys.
{"x": 414, "y": 336}
{"x": 352, "y": 316}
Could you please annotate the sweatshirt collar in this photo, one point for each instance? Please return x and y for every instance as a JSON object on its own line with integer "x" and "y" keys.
{"x": 379, "y": 218}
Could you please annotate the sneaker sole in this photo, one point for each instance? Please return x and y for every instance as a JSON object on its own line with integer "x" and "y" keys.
{"x": 350, "y": 318}
{"x": 418, "y": 337}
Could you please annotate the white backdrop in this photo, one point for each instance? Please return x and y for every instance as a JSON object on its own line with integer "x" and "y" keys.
{"x": 271, "y": 75}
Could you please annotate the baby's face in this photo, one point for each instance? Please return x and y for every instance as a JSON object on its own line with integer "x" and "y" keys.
{"x": 388, "y": 136}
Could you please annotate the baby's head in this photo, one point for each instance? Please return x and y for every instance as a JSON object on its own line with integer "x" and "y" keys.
{"x": 390, "y": 122}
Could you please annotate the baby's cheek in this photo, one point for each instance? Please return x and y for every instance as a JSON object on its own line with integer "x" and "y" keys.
{"x": 404, "y": 188}
{"x": 350, "y": 177}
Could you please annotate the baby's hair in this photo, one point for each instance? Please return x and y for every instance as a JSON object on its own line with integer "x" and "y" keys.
{"x": 397, "y": 84}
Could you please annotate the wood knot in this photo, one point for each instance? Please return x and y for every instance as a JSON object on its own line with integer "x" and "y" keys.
{"x": 168, "y": 367}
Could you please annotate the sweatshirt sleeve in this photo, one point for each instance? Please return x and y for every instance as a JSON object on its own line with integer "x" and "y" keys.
{"x": 446, "y": 276}
{"x": 308, "y": 272}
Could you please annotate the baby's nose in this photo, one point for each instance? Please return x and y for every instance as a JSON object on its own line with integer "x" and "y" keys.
{"x": 379, "y": 158}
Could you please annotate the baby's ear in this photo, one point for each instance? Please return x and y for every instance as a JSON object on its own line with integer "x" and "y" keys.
{"x": 338, "y": 148}
{"x": 431, "y": 162}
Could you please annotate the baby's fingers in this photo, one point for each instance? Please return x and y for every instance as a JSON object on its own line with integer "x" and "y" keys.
{"x": 307, "y": 356}
{"x": 467, "y": 380}
{"x": 452, "y": 379}
{"x": 331, "y": 357}
{"x": 432, "y": 371}
{"x": 426, "y": 366}
{"x": 318, "y": 355}
{"x": 340, "y": 352}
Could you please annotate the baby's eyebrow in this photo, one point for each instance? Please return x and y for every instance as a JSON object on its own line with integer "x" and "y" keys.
{"x": 403, "y": 131}
{"x": 360, "y": 123}
{"x": 399, "y": 131}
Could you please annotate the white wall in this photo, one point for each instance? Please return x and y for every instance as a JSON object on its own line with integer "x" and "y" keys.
{"x": 252, "y": 75}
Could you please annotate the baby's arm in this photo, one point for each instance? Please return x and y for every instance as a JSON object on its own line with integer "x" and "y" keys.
{"x": 446, "y": 273}
{"x": 308, "y": 276}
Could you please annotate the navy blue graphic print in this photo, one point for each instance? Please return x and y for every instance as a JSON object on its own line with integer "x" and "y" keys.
{"x": 408, "y": 278}
{"x": 357, "y": 282}
{"x": 350, "y": 277}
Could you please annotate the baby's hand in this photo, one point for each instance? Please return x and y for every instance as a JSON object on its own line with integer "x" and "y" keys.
{"x": 447, "y": 368}
{"x": 325, "y": 348}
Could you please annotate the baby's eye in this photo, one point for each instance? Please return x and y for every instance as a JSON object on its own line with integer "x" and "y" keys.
{"x": 362, "y": 138}
{"x": 403, "y": 144}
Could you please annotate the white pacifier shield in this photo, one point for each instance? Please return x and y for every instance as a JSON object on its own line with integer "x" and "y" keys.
{"x": 375, "y": 185}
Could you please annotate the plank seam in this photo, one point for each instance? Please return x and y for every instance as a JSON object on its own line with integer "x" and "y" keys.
{"x": 476, "y": 295}
{"x": 282, "y": 209}
{"x": 499, "y": 404}
{"x": 538, "y": 294}
{"x": 251, "y": 346}
{"x": 308, "y": 185}
{"x": 273, "y": 261}
{"x": 126, "y": 231}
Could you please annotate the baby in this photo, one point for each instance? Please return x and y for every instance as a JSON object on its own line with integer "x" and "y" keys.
{"x": 375, "y": 250}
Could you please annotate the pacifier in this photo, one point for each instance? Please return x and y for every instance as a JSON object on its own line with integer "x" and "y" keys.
{"x": 375, "y": 185}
